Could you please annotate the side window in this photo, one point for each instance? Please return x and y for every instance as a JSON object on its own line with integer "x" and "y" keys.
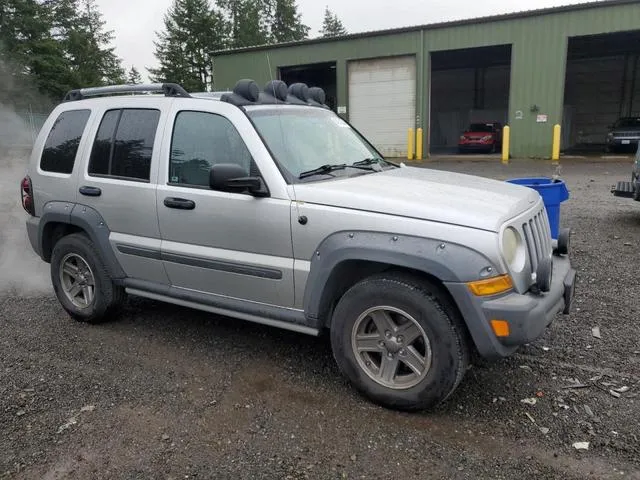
{"x": 201, "y": 140}
{"x": 60, "y": 149}
{"x": 124, "y": 144}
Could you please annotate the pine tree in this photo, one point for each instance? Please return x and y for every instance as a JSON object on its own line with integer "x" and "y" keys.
{"x": 133, "y": 76}
{"x": 286, "y": 24}
{"x": 249, "y": 21}
{"x": 79, "y": 26}
{"x": 331, "y": 25}
{"x": 32, "y": 62}
{"x": 192, "y": 32}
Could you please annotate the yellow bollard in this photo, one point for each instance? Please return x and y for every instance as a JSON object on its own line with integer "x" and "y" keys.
{"x": 506, "y": 131}
{"x": 419, "y": 144}
{"x": 555, "y": 149}
{"x": 410, "y": 140}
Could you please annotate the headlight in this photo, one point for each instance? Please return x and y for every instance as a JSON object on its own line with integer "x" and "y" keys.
{"x": 486, "y": 138}
{"x": 513, "y": 249}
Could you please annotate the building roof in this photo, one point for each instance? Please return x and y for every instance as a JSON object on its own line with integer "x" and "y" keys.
{"x": 594, "y": 4}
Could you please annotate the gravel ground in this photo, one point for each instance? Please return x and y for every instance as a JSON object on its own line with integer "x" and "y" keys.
{"x": 166, "y": 392}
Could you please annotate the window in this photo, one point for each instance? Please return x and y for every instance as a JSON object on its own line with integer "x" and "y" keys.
{"x": 124, "y": 144}
{"x": 60, "y": 149}
{"x": 201, "y": 140}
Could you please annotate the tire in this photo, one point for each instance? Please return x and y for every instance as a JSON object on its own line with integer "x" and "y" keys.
{"x": 101, "y": 301}
{"x": 408, "y": 300}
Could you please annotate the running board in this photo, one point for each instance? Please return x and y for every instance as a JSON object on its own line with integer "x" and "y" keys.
{"x": 227, "y": 313}
{"x": 624, "y": 189}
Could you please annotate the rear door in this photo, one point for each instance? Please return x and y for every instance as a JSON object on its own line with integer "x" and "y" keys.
{"x": 119, "y": 181}
{"x": 225, "y": 244}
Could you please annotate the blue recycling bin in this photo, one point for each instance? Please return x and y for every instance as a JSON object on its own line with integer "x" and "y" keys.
{"x": 553, "y": 193}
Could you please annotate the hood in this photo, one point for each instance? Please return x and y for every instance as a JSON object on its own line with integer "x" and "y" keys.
{"x": 426, "y": 194}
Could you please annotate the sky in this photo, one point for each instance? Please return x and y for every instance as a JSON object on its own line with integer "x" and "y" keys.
{"x": 134, "y": 22}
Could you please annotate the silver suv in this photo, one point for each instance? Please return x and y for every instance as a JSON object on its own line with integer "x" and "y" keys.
{"x": 264, "y": 205}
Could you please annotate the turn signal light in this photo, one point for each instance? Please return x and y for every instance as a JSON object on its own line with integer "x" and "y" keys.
{"x": 500, "y": 328}
{"x": 491, "y": 286}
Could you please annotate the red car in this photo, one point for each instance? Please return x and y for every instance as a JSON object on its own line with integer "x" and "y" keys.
{"x": 481, "y": 137}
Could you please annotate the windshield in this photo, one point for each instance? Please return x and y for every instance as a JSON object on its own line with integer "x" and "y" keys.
{"x": 481, "y": 127}
{"x": 303, "y": 139}
{"x": 628, "y": 122}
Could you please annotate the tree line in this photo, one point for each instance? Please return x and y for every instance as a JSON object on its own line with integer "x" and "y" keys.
{"x": 48, "y": 47}
{"x": 195, "y": 29}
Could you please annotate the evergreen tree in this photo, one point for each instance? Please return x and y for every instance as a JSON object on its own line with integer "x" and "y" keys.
{"x": 192, "y": 32}
{"x": 250, "y": 21}
{"x": 79, "y": 27}
{"x": 286, "y": 24}
{"x": 133, "y": 76}
{"x": 32, "y": 63}
{"x": 331, "y": 25}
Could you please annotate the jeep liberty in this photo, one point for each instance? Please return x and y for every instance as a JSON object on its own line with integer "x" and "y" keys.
{"x": 264, "y": 205}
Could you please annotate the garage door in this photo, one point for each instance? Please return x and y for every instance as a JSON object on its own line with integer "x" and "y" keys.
{"x": 382, "y": 101}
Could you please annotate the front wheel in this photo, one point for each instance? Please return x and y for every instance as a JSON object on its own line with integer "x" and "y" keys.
{"x": 393, "y": 339}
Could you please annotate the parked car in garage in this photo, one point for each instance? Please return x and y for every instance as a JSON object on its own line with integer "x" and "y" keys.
{"x": 481, "y": 137}
{"x": 624, "y": 134}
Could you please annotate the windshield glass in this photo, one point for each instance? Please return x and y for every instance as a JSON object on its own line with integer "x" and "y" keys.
{"x": 302, "y": 139}
{"x": 628, "y": 122}
{"x": 481, "y": 127}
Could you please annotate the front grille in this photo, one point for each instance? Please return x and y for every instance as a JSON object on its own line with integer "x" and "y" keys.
{"x": 537, "y": 235}
{"x": 630, "y": 134}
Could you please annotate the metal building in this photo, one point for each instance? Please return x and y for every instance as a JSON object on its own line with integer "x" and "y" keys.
{"x": 576, "y": 66}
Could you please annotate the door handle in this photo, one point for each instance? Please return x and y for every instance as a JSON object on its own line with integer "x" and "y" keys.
{"x": 179, "y": 203}
{"x": 90, "y": 191}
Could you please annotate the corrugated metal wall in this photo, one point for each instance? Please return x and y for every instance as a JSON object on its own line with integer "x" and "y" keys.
{"x": 539, "y": 53}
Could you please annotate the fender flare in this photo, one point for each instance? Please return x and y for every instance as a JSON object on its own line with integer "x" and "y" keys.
{"x": 444, "y": 260}
{"x": 90, "y": 221}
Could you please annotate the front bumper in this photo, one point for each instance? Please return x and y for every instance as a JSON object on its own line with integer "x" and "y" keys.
{"x": 623, "y": 141}
{"x": 528, "y": 314}
{"x": 469, "y": 147}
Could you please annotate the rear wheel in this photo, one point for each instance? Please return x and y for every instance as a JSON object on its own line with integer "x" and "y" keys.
{"x": 81, "y": 281}
{"x": 393, "y": 339}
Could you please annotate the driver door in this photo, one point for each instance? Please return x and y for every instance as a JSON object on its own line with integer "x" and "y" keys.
{"x": 215, "y": 242}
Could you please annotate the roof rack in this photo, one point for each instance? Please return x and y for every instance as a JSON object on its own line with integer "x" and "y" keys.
{"x": 169, "y": 90}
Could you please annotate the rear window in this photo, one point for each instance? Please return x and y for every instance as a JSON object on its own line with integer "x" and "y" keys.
{"x": 61, "y": 147}
{"x": 124, "y": 144}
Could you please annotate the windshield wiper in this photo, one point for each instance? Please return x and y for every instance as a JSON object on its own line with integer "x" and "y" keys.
{"x": 322, "y": 169}
{"x": 373, "y": 161}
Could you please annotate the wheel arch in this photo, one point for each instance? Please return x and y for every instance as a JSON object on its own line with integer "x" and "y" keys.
{"x": 343, "y": 259}
{"x": 61, "y": 219}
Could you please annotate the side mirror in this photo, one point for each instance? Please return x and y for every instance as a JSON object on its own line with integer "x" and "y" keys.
{"x": 231, "y": 177}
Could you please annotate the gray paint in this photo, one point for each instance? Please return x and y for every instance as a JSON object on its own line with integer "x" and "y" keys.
{"x": 528, "y": 315}
{"x": 448, "y": 262}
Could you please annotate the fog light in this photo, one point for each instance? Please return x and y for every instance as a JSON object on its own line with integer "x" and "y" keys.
{"x": 544, "y": 274}
{"x": 564, "y": 241}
